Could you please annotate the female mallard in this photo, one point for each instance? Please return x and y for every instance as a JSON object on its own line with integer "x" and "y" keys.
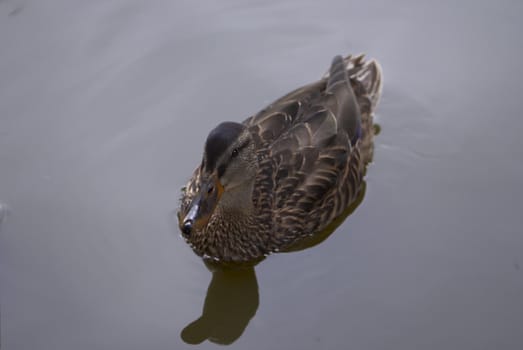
{"x": 286, "y": 172}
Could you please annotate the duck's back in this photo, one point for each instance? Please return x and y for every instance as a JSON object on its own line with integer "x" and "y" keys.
{"x": 314, "y": 145}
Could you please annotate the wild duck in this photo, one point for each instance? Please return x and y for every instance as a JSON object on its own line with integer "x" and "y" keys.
{"x": 285, "y": 173}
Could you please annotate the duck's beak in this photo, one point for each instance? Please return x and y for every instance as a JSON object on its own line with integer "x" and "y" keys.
{"x": 202, "y": 206}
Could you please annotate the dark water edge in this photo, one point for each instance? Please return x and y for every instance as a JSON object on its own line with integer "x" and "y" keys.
{"x": 104, "y": 107}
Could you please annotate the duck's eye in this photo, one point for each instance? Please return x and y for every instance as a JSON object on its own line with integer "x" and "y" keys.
{"x": 234, "y": 153}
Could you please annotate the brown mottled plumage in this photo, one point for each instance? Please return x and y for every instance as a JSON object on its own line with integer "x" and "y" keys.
{"x": 285, "y": 173}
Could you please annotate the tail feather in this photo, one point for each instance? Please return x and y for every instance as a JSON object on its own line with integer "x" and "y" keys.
{"x": 366, "y": 81}
{"x": 368, "y": 73}
{"x": 367, "y": 77}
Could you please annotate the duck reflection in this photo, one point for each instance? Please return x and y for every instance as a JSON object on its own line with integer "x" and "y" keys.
{"x": 232, "y": 297}
{"x": 231, "y": 302}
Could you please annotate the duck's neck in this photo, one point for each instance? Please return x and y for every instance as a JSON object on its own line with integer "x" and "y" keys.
{"x": 235, "y": 231}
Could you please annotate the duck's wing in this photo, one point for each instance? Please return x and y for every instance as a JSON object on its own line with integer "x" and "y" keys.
{"x": 312, "y": 166}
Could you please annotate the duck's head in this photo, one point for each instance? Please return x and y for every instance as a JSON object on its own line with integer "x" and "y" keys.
{"x": 227, "y": 174}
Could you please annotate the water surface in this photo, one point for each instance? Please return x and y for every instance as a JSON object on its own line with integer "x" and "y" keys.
{"x": 104, "y": 107}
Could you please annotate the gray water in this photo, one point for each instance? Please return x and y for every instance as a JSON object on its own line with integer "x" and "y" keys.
{"x": 104, "y": 107}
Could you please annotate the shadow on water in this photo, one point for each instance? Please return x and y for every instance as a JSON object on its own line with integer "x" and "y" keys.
{"x": 232, "y": 297}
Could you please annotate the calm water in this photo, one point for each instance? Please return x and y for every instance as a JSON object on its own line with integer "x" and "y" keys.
{"x": 104, "y": 106}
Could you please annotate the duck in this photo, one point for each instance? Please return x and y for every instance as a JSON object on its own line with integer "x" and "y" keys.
{"x": 287, "y": 172}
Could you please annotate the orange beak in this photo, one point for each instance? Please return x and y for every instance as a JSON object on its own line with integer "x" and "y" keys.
{"x": 202, "y": 206}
